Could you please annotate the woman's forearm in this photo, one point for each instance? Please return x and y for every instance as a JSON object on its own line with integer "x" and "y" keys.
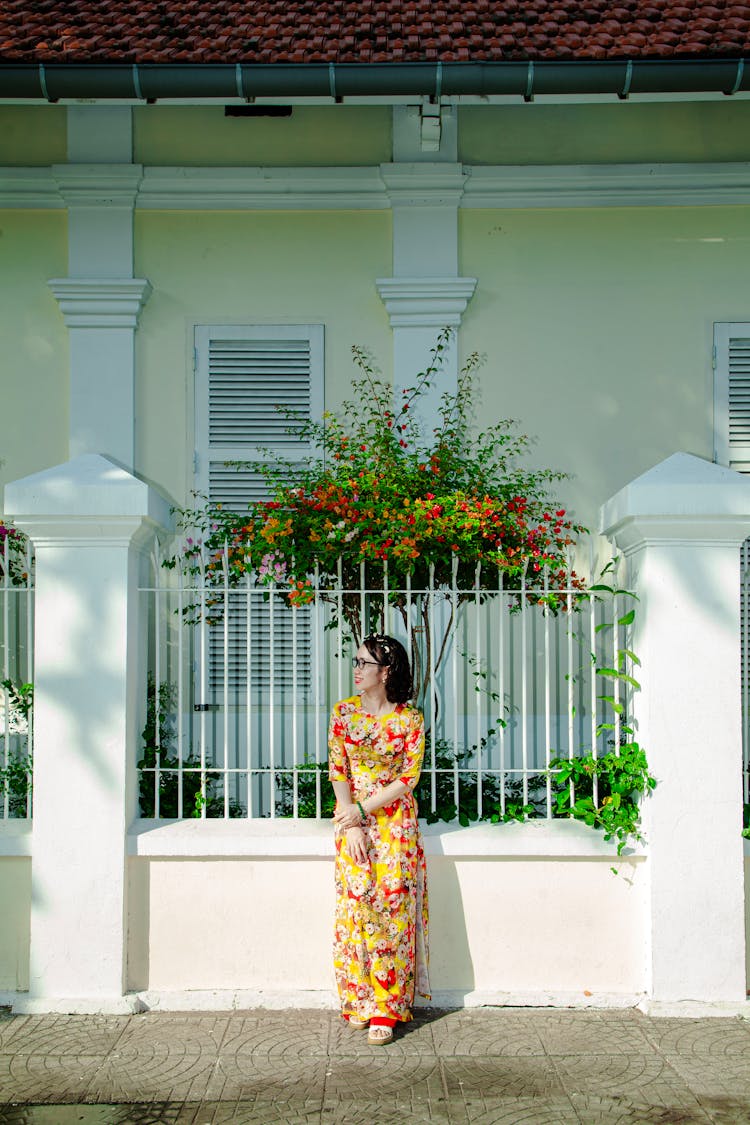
{"x": 385, "y": 796}
{"x": 343, "y": 793}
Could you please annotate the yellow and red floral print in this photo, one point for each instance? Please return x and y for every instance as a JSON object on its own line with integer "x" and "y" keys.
{"x": 380, "y": 939}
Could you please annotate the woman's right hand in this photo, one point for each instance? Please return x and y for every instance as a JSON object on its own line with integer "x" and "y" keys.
{"x": 356, "y": 844}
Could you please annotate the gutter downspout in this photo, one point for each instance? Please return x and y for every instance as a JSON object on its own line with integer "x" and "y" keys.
{"x": 150, "y": 81}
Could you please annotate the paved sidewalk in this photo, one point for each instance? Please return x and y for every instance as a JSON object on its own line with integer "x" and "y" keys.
{"x": 515, "y": 1066}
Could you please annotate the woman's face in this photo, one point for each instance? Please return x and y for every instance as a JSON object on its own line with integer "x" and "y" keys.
{"x": 371, "y": 674}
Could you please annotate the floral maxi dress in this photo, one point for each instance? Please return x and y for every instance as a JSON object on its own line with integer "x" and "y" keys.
{"x": 380, "y": 940}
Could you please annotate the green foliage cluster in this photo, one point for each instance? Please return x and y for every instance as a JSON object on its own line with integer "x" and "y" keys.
{"x": 201, "y": 789}
{"x": 16, "y": 775}
{"x": 13, "y": 556}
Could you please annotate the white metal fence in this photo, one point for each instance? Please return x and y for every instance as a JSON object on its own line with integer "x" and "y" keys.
{"x": 241, "y": 687}
{"x": 16, "y": 673}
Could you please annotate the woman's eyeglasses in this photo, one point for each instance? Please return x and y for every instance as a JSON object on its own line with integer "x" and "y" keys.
{"x": 357, "y": 662}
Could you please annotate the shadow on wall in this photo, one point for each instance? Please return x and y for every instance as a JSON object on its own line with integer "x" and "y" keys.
{"x": 451, "y": 965}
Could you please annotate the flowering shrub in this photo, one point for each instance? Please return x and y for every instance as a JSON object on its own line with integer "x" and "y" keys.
{"x": 13, "y": 556}
{"x": 385, "y": 503}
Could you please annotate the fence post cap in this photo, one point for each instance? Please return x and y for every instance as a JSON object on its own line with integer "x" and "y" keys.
{"x": 686, "y": 490}
{"x": 89, "y": 485}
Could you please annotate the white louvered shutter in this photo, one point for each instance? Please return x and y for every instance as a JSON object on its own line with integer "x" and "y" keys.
{"x": 732, "y": 448}
{"x": 732, "y": 395}
{"x": 246, "y": 378}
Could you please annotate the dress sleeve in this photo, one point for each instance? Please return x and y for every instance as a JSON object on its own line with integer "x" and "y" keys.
{"x": 413, "y": 749}
{"x": 338, "y": 762}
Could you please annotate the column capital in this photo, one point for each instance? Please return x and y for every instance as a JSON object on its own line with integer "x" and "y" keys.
{"x": 683, "y": 499}
{"x": 98, "y": 185}
{"x": 432, "y": 302}
{"x": 100, "y": 302}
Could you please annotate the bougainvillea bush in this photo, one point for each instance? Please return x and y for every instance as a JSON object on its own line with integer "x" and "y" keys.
{"x": 384, "y": 501}
{"x": 14, "y": 565}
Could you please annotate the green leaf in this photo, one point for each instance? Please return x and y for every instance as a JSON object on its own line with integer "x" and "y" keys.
{"x": 627, "y": 618}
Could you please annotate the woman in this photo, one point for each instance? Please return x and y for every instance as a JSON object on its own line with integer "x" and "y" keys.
{"x": 376, "y": 746}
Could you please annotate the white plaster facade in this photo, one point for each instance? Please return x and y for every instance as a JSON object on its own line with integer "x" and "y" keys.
{"x": 606, "y": 357}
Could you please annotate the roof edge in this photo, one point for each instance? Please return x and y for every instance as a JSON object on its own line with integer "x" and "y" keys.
{"x": 149, "y": 82}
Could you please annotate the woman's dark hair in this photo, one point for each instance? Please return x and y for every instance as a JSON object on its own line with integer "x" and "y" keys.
{"x": 392, "y": 655}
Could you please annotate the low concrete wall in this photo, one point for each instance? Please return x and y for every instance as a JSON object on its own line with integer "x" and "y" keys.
{"x": 529, "y": 913}
{"x": 15, "y": 896}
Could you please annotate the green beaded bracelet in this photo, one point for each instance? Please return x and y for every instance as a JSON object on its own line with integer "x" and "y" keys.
{"x": 363, "y": 814}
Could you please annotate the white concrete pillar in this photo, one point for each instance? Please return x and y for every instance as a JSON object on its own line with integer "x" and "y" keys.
{"x": 100, "y": 299}
{"x": 90, "y": 522}
{"x": 681, "y": 525}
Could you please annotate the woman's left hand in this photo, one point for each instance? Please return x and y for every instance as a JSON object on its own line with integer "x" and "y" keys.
{"x": 348, "y": 816}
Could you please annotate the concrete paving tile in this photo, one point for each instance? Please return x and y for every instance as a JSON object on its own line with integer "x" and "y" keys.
{"x": 503, "y": 1077}
{"x": 45, "y": 1078}
{"x": 714, "y": 1076}
{"x": 515, "y": 1111}
{"x": 298, "y": 1081}
{"x": 647, "y": 1080}
{"x": 383, "y": 1075}
{"x": 10, "y": 1026}
{"x": 386, "y": 1111}
{"x": 593, "y": 1037}
{"x": 61, "y": 1035}
{"x": 99, "y": 1115}
{"x": 699, "y": 1037}
{"x": 477, "y": 1034}
{"x": 276, "y": 1035}
{"x": 143, "y": 1076}
{"x": 593, "y": 1110}
{"x": 188, "y": 1033}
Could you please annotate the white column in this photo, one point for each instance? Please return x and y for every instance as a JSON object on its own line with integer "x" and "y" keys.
{"x": 90, "y": 522}
{"x": 681, "y": 525}
{"x": 102, "y": 316}
{"x": 100, "y": 299}
{"x": 425, "y": 293}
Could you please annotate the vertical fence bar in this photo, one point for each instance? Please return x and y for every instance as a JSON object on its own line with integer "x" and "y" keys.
{"x": 203, "y": 660}
{"x": 547, "y": 704}
{"x": 157, "y": 684}
{"x": 409, "y": 628}
{"x": 340, "y": 626}
{"x": 618, "y": 631}
{"x": 593, "y": 687}
{"x": 386, "y": 600}
{"x": 295, "y": 722}
{"x": 180, "y": 683}
{"x": 433, "y": 700}
{"x": 249, "y": 776}
{"x": 477, "y": 692}
{"x": 271, "y": 699}
{"x": 454, "y": 675}
{"x": 570, "y": 675}
{"x": 364, "y": 625}
{"x": 501, "y": 681}
{"x": 524, "y": 689}
{"x": 225, "y": 685}
{"x": 317, "y": 672}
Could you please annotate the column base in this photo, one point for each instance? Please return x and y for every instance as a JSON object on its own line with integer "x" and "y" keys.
{"x": 696, "y": 1009}
{"x": 25, "y": 1005}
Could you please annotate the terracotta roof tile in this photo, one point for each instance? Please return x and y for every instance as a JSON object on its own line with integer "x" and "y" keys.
{"x": 214, "y": 31}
